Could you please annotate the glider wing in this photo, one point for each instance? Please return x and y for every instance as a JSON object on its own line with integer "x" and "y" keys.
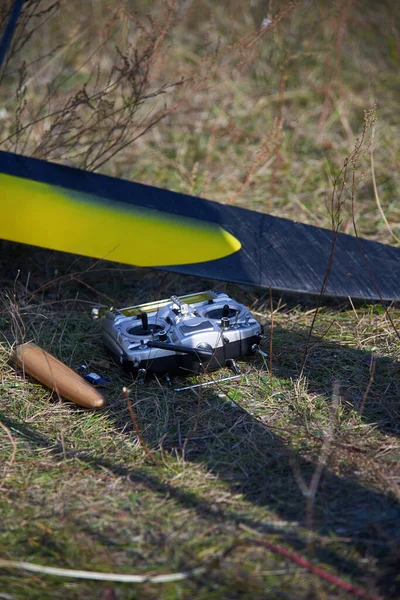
{"x": 67, "y": 209}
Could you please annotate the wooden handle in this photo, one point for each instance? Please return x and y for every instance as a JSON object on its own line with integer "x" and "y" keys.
{"x": 57, "y": 376}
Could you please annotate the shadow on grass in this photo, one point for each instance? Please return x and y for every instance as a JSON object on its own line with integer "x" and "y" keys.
{"x": 256, "y": 461}
{"x": 260, "y": 464}
{"x": 369, "y": 383}
{"x": 278, "y": 492}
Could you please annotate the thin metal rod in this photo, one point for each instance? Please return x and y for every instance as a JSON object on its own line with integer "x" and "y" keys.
{"x": 10, "y": 29}
{"x": 212, "y": 382}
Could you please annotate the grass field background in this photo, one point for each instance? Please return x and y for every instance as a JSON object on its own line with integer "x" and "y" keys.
{"x": 201, "y": 99}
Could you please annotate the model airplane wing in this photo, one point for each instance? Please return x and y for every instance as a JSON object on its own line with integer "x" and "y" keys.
{"x": 71, "y": 210}
{"x": 66, "y": 209}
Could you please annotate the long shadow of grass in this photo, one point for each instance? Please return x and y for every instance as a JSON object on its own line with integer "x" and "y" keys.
{"x": 370, "y": 383}
{"x": 259, "y": 462}
{"x": 261, "y": 465}
{"x": 257, "y": 465}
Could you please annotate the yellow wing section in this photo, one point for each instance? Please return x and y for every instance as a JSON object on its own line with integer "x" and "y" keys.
{"x": 54, "y": 217}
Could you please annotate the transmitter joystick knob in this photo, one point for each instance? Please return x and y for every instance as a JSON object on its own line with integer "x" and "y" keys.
{"x": 225, "y": 310}
{"x": 145, "y": 321}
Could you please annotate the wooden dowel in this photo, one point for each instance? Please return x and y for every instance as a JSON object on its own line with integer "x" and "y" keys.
{"x": 55, "y": 375}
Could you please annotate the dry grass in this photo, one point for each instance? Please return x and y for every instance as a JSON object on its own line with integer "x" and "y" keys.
{"x": 308, "y": 461}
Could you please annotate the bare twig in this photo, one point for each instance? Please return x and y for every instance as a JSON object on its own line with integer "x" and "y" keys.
{"x": 136, "y": 426}
{"x": 196, "y": 422}
{"x": 271, "y": 333}
{"x": 337, "y": 201}
{"x": 309, "y": 491}
{"x": 197, "y": 571}
{"x": 369, "y": 120}
{"x": 98, "y": 576}
{"x": 12, "y": 457}
{"x": 377, "y": 200}
{"x": 370, "y": 382}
